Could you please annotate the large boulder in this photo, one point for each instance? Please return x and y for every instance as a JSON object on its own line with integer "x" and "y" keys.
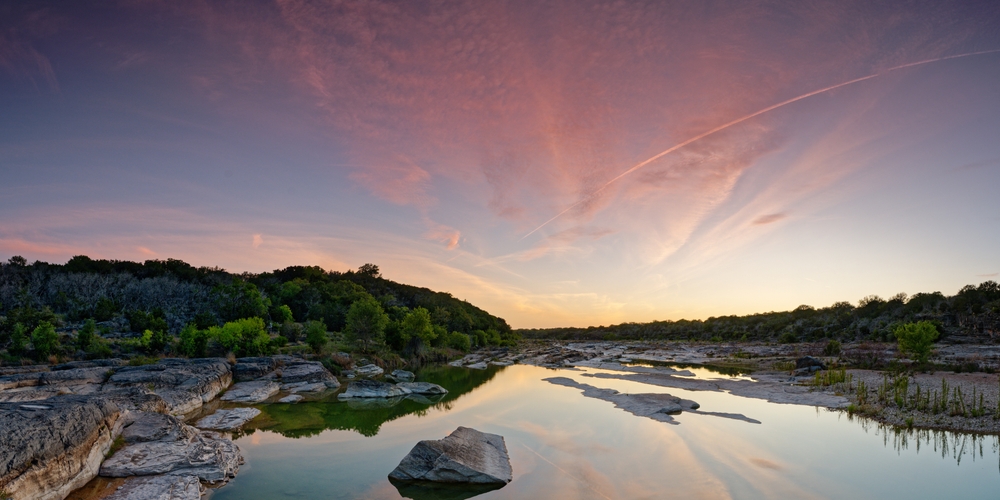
{"x": 426, "y": 388}
{"x": 402, "y": 376}
{"x": 464, "y": 456}
{"x": 228, "y": 419}
{"x": 371, "y": 389}
{"x": 368, "y": 371}
{"x": 40, "y": 385}
{"x": 185, "y": 384}
{"x": 50, "y": 448}
{"x": 253, "y": 368}
{"x": 251, "y": 392}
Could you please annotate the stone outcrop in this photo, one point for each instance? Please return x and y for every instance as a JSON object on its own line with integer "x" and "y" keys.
{"x": 253, "y": 368}
{"x": 251, "y": 392}
{"x": 34, "y": 386}
{"x": 181, "y": 450}
{"x": 368, "y": 371}
{"x": 52, "y": 447}
{"x": 402, "y": 376}
{"x": 184, "y": 384}
{"x": 425, "y": 388}
{"x": 464, "y": 456}
{"x": 371, "y": 389}
{"x": 292, "y": 398}
{"x": 228, "y": 419}
{"x": 159, "y": 488}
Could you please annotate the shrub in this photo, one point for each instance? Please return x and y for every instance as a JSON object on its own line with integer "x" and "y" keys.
{"x": 99, "y": 349}
{"x": 243, "y": 337}
{"x": 316, "y": 335}
{"x": 788, "y": 338}
{"x": 366, "y": 322}
{"x": 18, "y": 340}
{"x": 459, "y": 341}
{"x": 291, "y": 331}
{"x": 45, "y": 340}
{"x": 282, "y": 314}
{"x": 916, "y": 339}
{"x": 193, "y": 342}
{"x": 832, "y": 348}
{"x": 86, "y": 335}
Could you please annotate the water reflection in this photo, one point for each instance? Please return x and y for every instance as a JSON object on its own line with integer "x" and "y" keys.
{"x": 431, "y": 491}
{"x": 948, "y": 444}
{"x": 366, "y": 416}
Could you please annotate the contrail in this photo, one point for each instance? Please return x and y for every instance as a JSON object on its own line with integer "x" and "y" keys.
{"x": 745, "y": 118}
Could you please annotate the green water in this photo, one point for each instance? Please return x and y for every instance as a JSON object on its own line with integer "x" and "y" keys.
{"x": 563, "y": 445}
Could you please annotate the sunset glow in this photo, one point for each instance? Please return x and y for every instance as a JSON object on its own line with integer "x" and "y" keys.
{"x": 563, "y": 163}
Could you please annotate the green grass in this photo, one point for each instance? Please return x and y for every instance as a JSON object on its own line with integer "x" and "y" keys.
{"x": 116, "y": 445}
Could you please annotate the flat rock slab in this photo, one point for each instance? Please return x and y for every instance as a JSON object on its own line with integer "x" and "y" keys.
{"x": 371, "y": 389}
{"x": 184, "y": 452}
{"x": 478, "y": 366}
{"x": 307, "y": 371}
{"x": 307, "y": 387}
{"x": 658, "y": 407}
{"x": 228, "y": 419}
{"x": 293, "y": 398}
{"x": 142, "y": 426}
{"x": 464, "y": 456}
{"x": 185, "y": 384}
{"x": 422, "y": 388}
{"x": 402, "y": 375}
{"x": 253, "y": 368}
{"x": 251, "y": 392}
{"x": 159, "y": 488}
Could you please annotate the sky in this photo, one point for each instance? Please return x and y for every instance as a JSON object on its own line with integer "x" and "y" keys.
{"x": 557, "y": 163}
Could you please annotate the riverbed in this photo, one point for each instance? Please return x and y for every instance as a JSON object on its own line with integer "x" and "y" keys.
{"x": 565, "y": 445}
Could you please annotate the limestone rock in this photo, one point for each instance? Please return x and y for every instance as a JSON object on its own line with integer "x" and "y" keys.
{"x": 422, "y": 388}
{"x": 251, "y": 392}
{"x": 307, "y": 371}
{"x": 478, "y": 366}
{"x": 252, "y": 368}
{"x": 143, "y": 426}
{"x": 184, "y": 384}
{"x": 464, "y": 456}
{"x": 402, "y": 376}
{"x": 181, "y": 451}
{"x": 159, "y": 488}
{"x": 228, "y": 419}
{"x": 371, "y": 389}
{"x": 50, "y": 448}
{"x": 368, "y": 371}
{"x": 306, "y": 387}
{"x": 293, "y": 398}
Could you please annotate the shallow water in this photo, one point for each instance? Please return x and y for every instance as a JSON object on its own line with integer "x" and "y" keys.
{"x": 563, "y": 445}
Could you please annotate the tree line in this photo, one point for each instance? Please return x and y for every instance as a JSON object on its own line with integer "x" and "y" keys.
{"x": 971, "y": 315}
{"x": 171, "y": 307}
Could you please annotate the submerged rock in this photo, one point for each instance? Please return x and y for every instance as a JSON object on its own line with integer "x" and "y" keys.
{"x": 307, "y": 387}
{"x": 371, "y": 389}
{"x": 159, "y": 488}
{"x": 422, "y": 388}
{"x": 52, "y": 447}
{"x": 478, "y": 366}
{"x": 251, "y": 392}
{"x": 293, "y": 398}
{"x": 464, "y": 456}
{"x": 228, "y": 419}
{"x": 402, "y": 375}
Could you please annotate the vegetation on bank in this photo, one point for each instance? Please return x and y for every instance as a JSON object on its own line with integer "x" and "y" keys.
{"x": 973, "y": 314}
{"x": 100, "y": 308}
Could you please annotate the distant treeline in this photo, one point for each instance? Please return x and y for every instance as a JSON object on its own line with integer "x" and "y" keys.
{"x": 168, "y": 295}
{"x": 971, "y": 315}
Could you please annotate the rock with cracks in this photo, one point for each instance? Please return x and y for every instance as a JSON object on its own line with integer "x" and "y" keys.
{"x": 229, "y": 419}
{"x": 185, "y": 384}
{"x": 251, "y": 392}
{"x": 371, "y": 389}
{"x": 422, "y": 388}
{"x": 465, "y": 456}
{"x": 159, "y": 488}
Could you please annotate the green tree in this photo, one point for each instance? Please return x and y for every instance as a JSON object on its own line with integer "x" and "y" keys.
{"x": 418, "y": 324}
{"x": 916, "y": 339}
{"x": 459, "y": 341}
{"x": 282, "y": 314}
{"x": 85, "y": 336}
{"x": 44, "y": 339}
{"x": 316, "y": 335}
{"x": 18, "y": 340}
{"x": 366, "y": 322}
{"x": 243, "y": 337}
{"x": 240, "y": 299}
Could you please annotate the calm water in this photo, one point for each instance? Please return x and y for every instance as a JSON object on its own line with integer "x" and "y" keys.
{"x": 563, "y": 445}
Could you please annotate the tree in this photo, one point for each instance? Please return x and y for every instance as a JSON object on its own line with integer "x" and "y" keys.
{"x": 316, "y": 335}
{"x": 240, "y": 299}
{"x": 366, "y": 322}
{"x": 916, "y": 339}
{"x": 86, "y": 335}
{"x": 193, "y": 342}
{"x": 370, "y": 270}
{"x": 44, "y": 339}
{"x": 282, "y": 314}
{"x": 418, "y": 324}
{"x": 243, "y": 337}
{"x": 18, "y": 340}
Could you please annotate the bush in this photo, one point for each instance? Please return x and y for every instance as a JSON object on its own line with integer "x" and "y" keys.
{"x": 366, "y": 322}
{"x": 916, "y": 339}
{"x": 18, "y": 340}
{"x": 45, "y": 340}
{"x": 788, "y": 338}
{"x": 193, "y": 342}
{"x": 243, "y": 337}
{"x": 291, "y": 331}
{"x": 99, "y": 349}
{"x": 316, "y": 335}
{"x": 86, "y": 335}
{"x": 459, "y": 341}
{"x": 832, "y": 348}
{"x": 282, "y": 314}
